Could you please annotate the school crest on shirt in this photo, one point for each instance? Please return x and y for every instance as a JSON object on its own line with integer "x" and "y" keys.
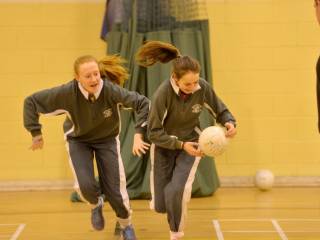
{"x": 196, "y": 108}
{"x": 107, "y": 113}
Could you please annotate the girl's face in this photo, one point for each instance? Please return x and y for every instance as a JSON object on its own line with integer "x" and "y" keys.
{"x": 188, "y": 82}
{"x": 89, "y": 76}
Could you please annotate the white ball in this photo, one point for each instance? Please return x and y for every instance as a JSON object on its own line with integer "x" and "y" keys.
{"x": 213, "y": 141}
{"x": 264, "y": 179}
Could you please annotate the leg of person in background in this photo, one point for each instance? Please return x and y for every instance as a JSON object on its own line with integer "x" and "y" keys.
{"x": 318, "y": 91}
{"x": 75, "y": 196}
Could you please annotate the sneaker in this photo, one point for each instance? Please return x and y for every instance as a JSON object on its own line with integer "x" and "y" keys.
{"x": 75, "y": 197}
{"x": 97, "y": 219}
{"x": 128, "y": 233}
{"x": 117, "y": 231}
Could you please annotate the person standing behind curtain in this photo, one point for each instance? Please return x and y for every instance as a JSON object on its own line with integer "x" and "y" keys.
{"x": 91, "y": 129}
{"x": 173, "y": 129}
{"x": 317, "y": 8}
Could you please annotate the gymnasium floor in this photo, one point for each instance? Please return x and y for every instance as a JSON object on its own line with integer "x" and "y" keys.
{"x": 232, "y": 213}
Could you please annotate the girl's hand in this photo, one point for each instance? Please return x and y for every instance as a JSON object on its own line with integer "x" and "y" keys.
{"x": 37, "y": 143}
{"x": 192, "y": 148}
{"x": 231, "y": 130}
{"x": 139, "y": 146}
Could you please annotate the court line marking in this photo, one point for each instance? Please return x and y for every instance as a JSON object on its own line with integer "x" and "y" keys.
{"x": 249, "y": 231}
{"x": 268, "y": 219}
{"x": 265, "y": 231}
{"x": 218, "y": 229}
{"x": 18, "y": 231}
{"x": 10, "y": 224}
{"x": 274, "y": 222}
{"x": 300, "y": 219}
{"x": 279, "y": 229}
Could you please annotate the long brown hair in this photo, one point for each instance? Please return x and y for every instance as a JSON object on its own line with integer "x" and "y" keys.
{"x": 156, "y": 51}
{"x": 110, "y": 67}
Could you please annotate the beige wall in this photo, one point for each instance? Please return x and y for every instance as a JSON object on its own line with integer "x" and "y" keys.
{"x": 263, "y": 52}
{"x": 38, "y": 44}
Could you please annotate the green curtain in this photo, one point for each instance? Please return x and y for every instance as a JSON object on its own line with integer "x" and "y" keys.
{"x": 193, "y": 40}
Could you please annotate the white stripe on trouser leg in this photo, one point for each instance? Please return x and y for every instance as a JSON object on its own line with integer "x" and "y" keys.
{"x": 152, "y": 176}
{"x": 187, "y": 193}
{"x": 76, "y": 184}
{"x": 124, "y": 222}
{"x": 122, "y": 175}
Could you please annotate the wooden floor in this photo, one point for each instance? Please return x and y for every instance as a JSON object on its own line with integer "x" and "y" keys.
{"x": 232, "y": 213}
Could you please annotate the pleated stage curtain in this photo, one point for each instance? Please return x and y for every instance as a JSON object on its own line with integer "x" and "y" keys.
{"x": 127, "y": 24}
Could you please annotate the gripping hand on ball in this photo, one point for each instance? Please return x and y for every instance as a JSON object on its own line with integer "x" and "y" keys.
{"x": 231, "y": 130}
{"x": 192, "y": 148}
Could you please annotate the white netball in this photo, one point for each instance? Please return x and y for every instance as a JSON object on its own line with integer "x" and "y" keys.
{"x": 264, "y": 179}
{"x": 213, "y": 141}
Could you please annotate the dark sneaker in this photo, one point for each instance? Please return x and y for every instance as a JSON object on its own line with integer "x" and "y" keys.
{"x": 97, "y": 219}
{"x": 75, "y": 197}
{"x": 117, "y": 231}
{"x": 128, "y": 233}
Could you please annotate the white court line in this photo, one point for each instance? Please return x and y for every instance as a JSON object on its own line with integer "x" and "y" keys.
{"x": 274, "y": 222}
{"x": 244, "y": 219}
{"x": 263, "y": 231}
{"x": 266, "y": 219}
{"x": 249, "y": 231}
{"x": 299, "y": 219}
{"x": 279, "y": 229}
{"x": 17, "y": 233}
{"x": 218, "y": 229}
{"x": 9, "y": 224}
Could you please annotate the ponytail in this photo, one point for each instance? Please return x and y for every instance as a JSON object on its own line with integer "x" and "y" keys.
{"x": 111, "y": 68}
{"x": 156, "y": 51}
